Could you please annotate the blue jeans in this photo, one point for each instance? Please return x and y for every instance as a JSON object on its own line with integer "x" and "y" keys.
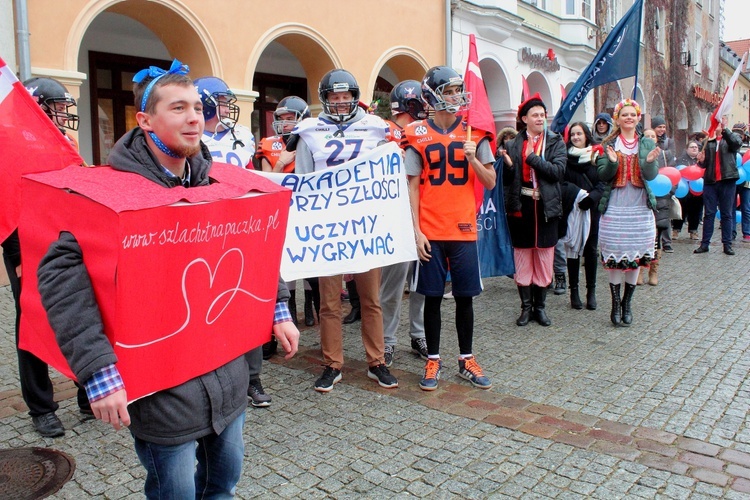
{"x": 171, "y": 470}
{"x": 721, "y": 195}
{"x": 745, "y": 209}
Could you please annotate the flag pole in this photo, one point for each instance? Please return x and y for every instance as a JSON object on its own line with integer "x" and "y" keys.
{"x": 638, "y": 52}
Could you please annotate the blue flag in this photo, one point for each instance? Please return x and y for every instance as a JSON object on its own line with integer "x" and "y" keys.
{"x": 616, "y": 59}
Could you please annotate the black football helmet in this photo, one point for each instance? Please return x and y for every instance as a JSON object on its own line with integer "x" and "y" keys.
{"x": 214, "y": 92}
{"x": 406, "y": 97}
{"x": 434, "y": 83}
{"x": 55, "y": 101}
{"x": 339, "y": 80}
{"x": 289, "y": 104}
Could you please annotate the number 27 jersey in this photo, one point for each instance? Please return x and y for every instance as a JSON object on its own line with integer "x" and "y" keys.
{"x": 331, "y": 146}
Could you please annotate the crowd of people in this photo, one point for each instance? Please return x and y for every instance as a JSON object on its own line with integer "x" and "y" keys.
{"x": 584, "y": 195}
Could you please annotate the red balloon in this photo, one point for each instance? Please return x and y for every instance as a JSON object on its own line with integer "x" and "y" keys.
{"x": 673, "y": 174}
{"x": 691, "y": 172}
{"x": 746, "y": 157}
{"x": 695, "y": 193}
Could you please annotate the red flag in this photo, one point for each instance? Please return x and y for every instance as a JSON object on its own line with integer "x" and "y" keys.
{"x": 526, "y": 92}
{"x": 479, "y": 114}
{"x": 726, "y": 102}
{"x": 30, "y": 142}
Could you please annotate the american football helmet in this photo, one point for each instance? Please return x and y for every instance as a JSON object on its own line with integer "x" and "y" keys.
{"x": 215, "y": 93}
{"x": 434, "y": 83}
{"x": 289, "y": 104}
{"x": 406, "y": 97}
{"x": 54, "y": 99}
{"x": 339, "y": 80}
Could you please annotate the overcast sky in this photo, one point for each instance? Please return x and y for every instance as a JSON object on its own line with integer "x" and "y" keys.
{"x": 736, "y": 16}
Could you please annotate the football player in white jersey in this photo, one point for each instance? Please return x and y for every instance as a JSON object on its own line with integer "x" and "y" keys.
{"x": 340, "y": 133}
{"x": 227, "y": 140}
{"x": 231, "y": 143}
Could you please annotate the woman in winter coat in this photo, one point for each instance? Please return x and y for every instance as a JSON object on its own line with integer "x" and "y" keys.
{"x": 692, "y": 204}
{"x": 581, "y": 171}
{"x": 627, "y": 226}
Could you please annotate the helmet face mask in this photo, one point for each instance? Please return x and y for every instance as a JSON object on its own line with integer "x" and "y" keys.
{"x": 54, "y": 100}
{"x": 338, "y": 81}
{"x": 291, "y": 105}
{"x": 436, "y": 82}
{"x": 218, "y": 100}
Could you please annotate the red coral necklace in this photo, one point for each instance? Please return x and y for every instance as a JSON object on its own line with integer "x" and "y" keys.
{"x": 629, "y": 144}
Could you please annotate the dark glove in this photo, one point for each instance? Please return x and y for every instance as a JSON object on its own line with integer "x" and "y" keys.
{"x": 586, "y": 203}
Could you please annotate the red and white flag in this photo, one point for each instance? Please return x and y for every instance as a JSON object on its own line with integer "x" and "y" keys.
{"x": 479, "y": 114}
{"x": 30, "y": 142}
{"x": 726, "y": 102}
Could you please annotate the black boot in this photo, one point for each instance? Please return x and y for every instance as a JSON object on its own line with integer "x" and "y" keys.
{"x": 590, "y": 266}
{"x": 540, "y": 297}
{"x": 356, "y": 313}
{"x": 573, "y": 268}
{"x": 293, "y": 306}
{"x": 309, "y": 318}
{"x": 315, "y": 287}
{"x": 627, "y": 312}
{"x": 591, "y": 298}
{"x": 559, "y": 283}
{"x": 525, "y": 293}
{"x": 616, "y": 314}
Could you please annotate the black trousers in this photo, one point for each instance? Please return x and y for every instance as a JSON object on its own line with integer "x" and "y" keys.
{"x": 36, "y": 386}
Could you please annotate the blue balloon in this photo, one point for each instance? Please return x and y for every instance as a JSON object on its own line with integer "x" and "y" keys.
{"x": 739, "y": 159}
{"x": 738, "y": 217}
{"x": 680, "y": 167}
{"x": 682, "y": 189}
{"x": 746, "y": 165}
{"x": 696, "y": 185}
{"x": 660, "y": 185}
{"x": 743, "y": 175}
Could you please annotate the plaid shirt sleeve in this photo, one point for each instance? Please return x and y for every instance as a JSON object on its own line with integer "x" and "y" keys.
{"x": 103, "y": 383}
{"x": 281, "y": 313}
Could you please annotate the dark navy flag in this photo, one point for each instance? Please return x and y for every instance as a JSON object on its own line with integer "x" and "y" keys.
{"x": 616, "y": 59}
{"x": 493, "y": 236}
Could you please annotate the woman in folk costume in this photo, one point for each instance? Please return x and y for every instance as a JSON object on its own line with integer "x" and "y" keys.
{"x": 534, "y": 167}
{"x": 627, "y": 226}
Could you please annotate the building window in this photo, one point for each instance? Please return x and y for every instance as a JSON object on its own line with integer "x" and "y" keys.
{"x": 570, "y": 7}
{"x": 698, "y": 61}
{"x": 614, "y": 14}
{"x": 661, "y": 32}
{"x": 710, "y": 59}
{"x": 586, "y": 9}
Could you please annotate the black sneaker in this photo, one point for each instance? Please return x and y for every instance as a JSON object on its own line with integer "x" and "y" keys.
{"x": 325, "y": 382}
{"x": 383, "y": 376}
{"x": 701, "y": 249}
{"x": 668, "y": 249}
{"x": 419, "y": 347}
{"x": 258, "y": 397}
{"x": 48, "y": 425}
{"x": 388, "y": 355}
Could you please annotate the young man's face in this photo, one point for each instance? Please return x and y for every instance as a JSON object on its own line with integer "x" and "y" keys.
{"x": 660, "y": 130}
{"x": 452, "y": 94}
{"x": 535, "y": 119}
{"x": 289, "y": 121}
{"x": 340, "y": 102}
{"x": 602, "y": 126}
{"x": 177, "y": 119}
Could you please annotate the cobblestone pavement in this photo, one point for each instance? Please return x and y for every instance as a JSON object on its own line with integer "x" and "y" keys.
{"x": 579, "y": 409}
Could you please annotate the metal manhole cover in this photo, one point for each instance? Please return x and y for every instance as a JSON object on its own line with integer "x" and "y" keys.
{"x": 33, "y": 472}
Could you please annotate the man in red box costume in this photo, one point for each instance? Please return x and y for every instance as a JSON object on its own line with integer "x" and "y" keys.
{"x": 208, "y": 410}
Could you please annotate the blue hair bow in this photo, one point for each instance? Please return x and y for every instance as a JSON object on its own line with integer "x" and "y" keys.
{"x": 155, "y": 73}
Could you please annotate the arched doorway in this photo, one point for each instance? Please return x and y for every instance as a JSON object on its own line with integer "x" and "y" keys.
{"x": 112, "y": 43}
{"x": 395, "y": 66}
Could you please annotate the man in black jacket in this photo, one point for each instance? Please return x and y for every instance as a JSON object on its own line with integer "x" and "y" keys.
{"x": 208, "y": 410}
{"x": 719, "y": 159}
{"x": 534, "y": 167}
